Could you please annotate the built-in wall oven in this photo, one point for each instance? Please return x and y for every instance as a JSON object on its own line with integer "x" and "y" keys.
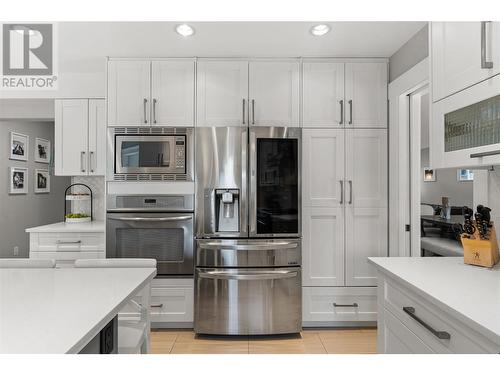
{"x": 154, "y": 226}
{"x": 150, "y": 154}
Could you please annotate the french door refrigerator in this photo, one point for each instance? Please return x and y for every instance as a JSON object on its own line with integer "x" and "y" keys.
{"x": 248, "y": 230}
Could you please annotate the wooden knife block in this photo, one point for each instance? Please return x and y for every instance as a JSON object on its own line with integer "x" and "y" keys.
{"x": 479, "y": 252}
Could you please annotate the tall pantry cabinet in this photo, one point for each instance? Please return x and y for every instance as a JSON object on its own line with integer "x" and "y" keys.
{"x": 344, "y": 187}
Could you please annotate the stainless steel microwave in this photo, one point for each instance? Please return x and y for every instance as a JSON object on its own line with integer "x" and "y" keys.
{"x": 150, "y": 153}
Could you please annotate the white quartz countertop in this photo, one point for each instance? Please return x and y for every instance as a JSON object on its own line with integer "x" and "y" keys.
{"x": 59, "y": 310}
{"x": 91, "y": 226}
{"x": 470, "y": 293}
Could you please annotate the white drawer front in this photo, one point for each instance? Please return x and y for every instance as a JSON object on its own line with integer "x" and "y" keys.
{"x": 68, "y": 242}
{"x": 67, "y": 255}
{"x": 322, "y": 304}
{"x": 398, "y": 339}
{"x": 172, "y": 304}
{"x": 462, "y": 339}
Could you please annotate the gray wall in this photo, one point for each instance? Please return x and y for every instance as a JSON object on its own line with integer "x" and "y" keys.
{"x": 18, "y": 212}
{"x": 412, "y": 52}
{"x": 446, "y": 185}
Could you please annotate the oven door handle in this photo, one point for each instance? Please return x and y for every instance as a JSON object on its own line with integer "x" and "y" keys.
{"x": 265, "y": 275}
{"x": 171, "y": 218}
{"x": 267, "y": 246}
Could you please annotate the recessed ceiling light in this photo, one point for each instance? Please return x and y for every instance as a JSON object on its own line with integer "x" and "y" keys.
{"x": 184, "y": 30}
{"x": 320, "y": 29}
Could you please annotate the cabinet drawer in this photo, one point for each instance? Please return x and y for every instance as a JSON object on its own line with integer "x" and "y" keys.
{"x": 461, "y": 339}
{"x": 172, "y": 300}
{"x": 67, "y": 255}
{"x": 67, "y": 242}
{"x": 323, "y": 304}
{"x": 398, "y": 339}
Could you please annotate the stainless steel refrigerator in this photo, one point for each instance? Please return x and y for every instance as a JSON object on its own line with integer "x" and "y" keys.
{"x": 248, "y": 230}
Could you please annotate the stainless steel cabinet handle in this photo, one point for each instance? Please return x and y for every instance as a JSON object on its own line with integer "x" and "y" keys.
{"x": 347, "y": 305}
{"x": 341, "y": 191}
{"x": 92, "y": 161}
{"x": 154, "y": 110}
{"x": 215, "y": 245}
{"x": 350, "y": 112}
{"x": 350, "y": 191}
{"x": 443, "y": 335}
{"x": 145, "y": 111}
{"x": 82, "y": 160}
{"x": 341, "y": 112}
{"x": 487, "y": 153}
{"x": 62, "y": 242}
{"x": 253, "y": 111}
{"x": 484, "y": 63}
{"x": 264, "y": 275}
{"x": 173, "y": 218}
{"x": 157, "y": 305}
{"x": 244, "y": 102}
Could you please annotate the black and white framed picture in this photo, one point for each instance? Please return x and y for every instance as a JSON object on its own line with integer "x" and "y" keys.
{"x": 18, "y": 146}
{"x": 465, "y": 175}
{"x": 42, "y": 150}
{"x": 429, "y": 175}
{"x": 42, "y": 181}
{"x": 18, "y": 180}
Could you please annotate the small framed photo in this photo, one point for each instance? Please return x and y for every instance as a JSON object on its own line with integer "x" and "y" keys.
{"x": 465, "y": 175}
{"x": 42, "y": 181}
{"x": 18, "y": 146}
{"x": 42, "y": 150}
{"x": 429, "y": 175}
{"x": 18, "y": 180}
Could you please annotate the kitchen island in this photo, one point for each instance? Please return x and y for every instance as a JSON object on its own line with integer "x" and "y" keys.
{"x": 61, "y": 310}
{"x": 437, "y": 305}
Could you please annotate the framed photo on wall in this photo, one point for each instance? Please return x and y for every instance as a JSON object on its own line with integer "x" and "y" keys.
{"x": 465, "y": 175}
{"x": 429, "y": 175}
{"x": 18, "y": 146}
{"x": 42, "y": 150}
{"x": 42, "y": 181}
{"x": 18, "y": 180}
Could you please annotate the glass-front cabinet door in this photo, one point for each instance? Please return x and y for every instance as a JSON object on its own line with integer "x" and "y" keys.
{"x": 274, "y": 182}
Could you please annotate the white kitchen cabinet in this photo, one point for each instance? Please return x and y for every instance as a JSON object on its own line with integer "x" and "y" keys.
{"x": 172, "y": 302}
{"x": 323, "y": 94}
{"x": 323, "y": 244}
{"x": 172, "y": 92}
{"x": 274, "y": 93}
{"x": 457, "y": 55}
{"x": 222, "y": 93}
{"x": 366, "y": 95}
{"x": 129, "y": 84}
{"x": 366, "y": 236}
{"x": 151, "y": 93}
{"x": 323, "y": 167}
{"x": 80, "y": 142}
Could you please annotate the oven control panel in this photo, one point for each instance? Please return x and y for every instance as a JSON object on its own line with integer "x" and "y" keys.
{"x": 180, "y": 152}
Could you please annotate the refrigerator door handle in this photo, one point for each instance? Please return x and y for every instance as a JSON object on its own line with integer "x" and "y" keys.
{"x": 242, "y": 275}
{"x": 219, "y": 245}
{"x": 252, "y": 198}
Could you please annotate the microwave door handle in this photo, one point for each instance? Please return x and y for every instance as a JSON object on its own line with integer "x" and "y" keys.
{"x": 152, "y": 219}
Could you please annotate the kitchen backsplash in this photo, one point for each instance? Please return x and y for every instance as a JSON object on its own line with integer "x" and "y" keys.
{"x": 493, "y": 194}
{"x": 97, "y": 184}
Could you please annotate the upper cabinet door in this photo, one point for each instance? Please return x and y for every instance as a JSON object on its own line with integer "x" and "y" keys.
{"x": 129, "y": 99}
{"x": 323, "y": 94}
{"x": 366, "y": 168}
{"x": 274, "y": 93}
{"x": 222, "y": 93}
{"x": 323, "y": 167}
{"x": 97, "y": 137}
{"x": 457, "y": 55}
{"x": 172, "y": 92}
{"x": 71, "y": 135}
{"x": 366, "y": 95}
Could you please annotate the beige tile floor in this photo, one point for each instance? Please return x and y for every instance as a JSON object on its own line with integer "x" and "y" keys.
{"x": 324, "y": 341}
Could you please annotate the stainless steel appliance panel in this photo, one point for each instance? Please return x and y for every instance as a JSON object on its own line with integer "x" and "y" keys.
{"x": 221, "y": 170}
{"x": 275, "y": 182}
{"x": 166, "y": 237}
{"x": 248, "y": 253}
{"x": 250, "y": 301}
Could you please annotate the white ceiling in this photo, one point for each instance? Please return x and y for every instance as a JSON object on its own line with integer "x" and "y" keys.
{"x": 214, "y": 39}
